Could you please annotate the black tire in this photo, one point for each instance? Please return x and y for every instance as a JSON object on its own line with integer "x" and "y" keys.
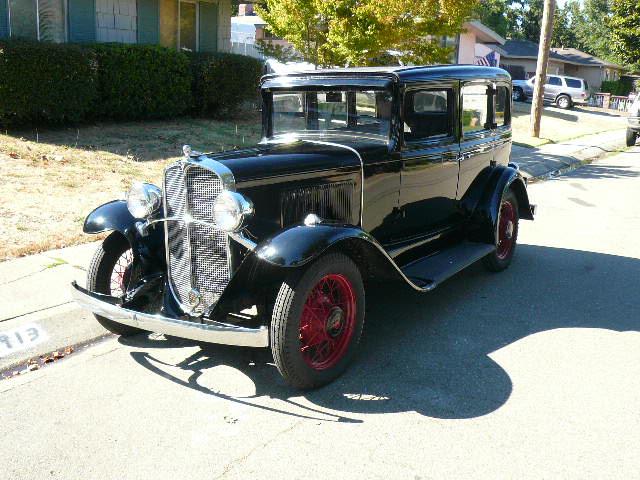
{"x": 501, "y": 258}
{"x": 518, "y": 95}
{"x": 632, "y": 136}
{"x": 99, "y": 277}
{"x": 287, "y": 335}
{"x": 564, "y": 102}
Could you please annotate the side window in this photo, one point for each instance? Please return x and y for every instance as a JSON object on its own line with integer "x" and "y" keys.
{"x": 427, "y": 114}
{"x": 573, "y": 83}
{"x": 502, "y": 107}
{"x": 475, "y": 108}
{"x": 555, "y": 81}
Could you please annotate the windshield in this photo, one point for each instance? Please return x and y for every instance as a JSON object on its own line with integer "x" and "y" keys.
{"x": 325, "y": 111}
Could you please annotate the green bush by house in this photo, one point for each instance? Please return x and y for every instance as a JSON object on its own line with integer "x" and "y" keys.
{"x": 223, "y": 81}
{"x": 46, "y": 83}
{"x": 141, "y": 81}
{"x": 620, "y": 87}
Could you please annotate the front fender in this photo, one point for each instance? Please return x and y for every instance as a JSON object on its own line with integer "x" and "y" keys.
{"x": 110, "y": 216}
{"x": 302, "y": 243}
{"x": 115, "y": 216}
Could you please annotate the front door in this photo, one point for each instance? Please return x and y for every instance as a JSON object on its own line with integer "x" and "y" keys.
{"x": 552, "y": 88}
{"x": 429, "y": 175}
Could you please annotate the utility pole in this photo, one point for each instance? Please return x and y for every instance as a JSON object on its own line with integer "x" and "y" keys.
{"x": 541, "y": 70}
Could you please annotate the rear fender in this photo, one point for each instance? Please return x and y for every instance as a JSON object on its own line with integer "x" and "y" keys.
{"x": 484, "y": 198}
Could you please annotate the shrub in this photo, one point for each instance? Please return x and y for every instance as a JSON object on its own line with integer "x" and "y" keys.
{"x": 45, "y": 83}
{"x": 141, "y": 81}
{"x": 222, "y": 82}
{"x": 621, "y": 87}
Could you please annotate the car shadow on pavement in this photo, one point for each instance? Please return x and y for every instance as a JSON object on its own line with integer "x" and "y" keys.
{"x": 431, "y": 353}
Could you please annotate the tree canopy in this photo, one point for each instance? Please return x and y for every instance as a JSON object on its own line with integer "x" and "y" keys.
{"x": 361, "y": 32}
{"x": 625, "y": 31}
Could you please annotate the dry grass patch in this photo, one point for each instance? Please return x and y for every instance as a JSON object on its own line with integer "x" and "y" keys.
{"x": 52, "y": 179}
{"x": 560, "y": 125}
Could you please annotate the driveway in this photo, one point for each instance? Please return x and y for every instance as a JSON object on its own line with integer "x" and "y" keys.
{"x": 531, "y": 373}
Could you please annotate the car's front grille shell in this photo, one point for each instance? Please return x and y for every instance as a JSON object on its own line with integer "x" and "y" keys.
{"x": 197, "y": 252}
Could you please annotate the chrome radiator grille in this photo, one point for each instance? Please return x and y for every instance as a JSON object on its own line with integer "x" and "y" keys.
{"x": 197, "y": 253}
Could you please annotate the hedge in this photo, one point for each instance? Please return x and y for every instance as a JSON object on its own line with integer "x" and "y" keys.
{"x": 141, "y": 82}
{"x": 621, "y": 87}
{"x": 45, "y": 83}
{"x": 223, "y": 81}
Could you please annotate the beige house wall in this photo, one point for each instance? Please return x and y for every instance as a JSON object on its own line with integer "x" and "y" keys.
{"x": 467, "y": 48}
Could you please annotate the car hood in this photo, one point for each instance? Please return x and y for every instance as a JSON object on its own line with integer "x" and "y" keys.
{"x": 280, "y": 158}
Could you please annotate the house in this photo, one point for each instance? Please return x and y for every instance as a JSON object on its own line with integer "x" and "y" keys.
{"x": 196, "y": 25}
{"x": 478, "y": 45}
{"x": 520, "y": 57}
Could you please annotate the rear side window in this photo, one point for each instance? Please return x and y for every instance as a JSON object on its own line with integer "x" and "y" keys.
{"x": 502, "y": 103}
{"x": 475, "y": 108}
{"x": 554, "y": 81}
{"x": 573, "y": 83}
{"x": 427, "y": 114}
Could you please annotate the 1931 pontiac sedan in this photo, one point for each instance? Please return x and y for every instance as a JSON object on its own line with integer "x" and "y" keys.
{"x": 385, "y": 173}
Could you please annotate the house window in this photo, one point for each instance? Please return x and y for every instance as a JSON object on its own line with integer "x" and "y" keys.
{"x": 198, "y": 29}
{"x": 23, "y": 19}
{"x": 37, "y": 19}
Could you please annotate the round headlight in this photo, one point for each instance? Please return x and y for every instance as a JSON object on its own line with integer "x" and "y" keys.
{"x": 230, "y": 211}
{"x": 143, "y": 199}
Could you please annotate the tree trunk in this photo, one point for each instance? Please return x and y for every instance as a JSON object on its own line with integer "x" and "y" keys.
{"x": 541, "y": 70}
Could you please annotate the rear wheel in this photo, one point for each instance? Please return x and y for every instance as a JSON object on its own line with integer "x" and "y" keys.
{"x": 564, "y": 102}
{"x": 317, "y": 321}
{"x": 632, "y": 136}
{"x": 111, "y": 272}
{"x": 507, "y": 234}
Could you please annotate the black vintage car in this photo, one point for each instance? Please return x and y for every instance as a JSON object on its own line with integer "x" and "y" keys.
{"x": 384, "y": 173}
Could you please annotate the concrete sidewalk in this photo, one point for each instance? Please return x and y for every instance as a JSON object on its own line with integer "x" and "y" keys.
{"x": 555, "y": 158}
{"x": 37, "y": 315}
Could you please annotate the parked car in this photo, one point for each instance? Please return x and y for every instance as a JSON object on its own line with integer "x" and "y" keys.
{"x": 633, "y": 122}
{"x": 394, "y": 174}
{"x": 565, "y": 92}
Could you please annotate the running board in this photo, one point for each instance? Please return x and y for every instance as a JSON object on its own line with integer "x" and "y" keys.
{"x": 429, "y": 272}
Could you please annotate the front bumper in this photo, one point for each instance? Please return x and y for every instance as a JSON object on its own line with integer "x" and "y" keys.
{"x": 221, "y": 333}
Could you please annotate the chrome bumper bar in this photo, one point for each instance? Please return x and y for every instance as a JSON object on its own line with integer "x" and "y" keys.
{"x": 212, "y": 333}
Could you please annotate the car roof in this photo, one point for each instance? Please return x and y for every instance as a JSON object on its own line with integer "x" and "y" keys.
{"x": 406, "y": 73}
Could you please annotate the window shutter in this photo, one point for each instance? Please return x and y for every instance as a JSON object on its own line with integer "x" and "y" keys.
{"x": 148, "y": 21}
{"x": 4, "y": 19}
{"x": 82, "y": 21}
{"x": 208, "y": 27}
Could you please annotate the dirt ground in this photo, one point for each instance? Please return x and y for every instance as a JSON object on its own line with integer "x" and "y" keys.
{"x": 51, "y": 179}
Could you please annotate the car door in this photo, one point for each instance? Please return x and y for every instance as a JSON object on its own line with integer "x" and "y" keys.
{"x": 478, "y": 135}
{"x": 552, "y": 88}
{"x": 429, "y": 153}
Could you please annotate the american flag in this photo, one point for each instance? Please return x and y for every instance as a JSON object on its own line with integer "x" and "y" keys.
{"x": 489, "y": 60}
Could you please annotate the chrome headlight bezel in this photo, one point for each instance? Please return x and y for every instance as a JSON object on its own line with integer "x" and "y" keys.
{"x": 231, "y": 210}
{"x": 144, "y": 200}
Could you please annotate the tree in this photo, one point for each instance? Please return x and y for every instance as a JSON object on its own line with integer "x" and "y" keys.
{"x": 359, "y": 32}
{"x": 625, "y": 31}
{"x": 493, "y": 14}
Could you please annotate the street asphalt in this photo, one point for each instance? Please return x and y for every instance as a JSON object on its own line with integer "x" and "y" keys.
{"x": 530, "y": 373}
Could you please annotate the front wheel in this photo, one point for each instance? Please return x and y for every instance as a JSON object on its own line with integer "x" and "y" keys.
{"x": 111, "y": 272}
{"x": 507, "y": 234}
{"x": 317, "y": 321}
{"x": 518, "y": 95}
{"x": 632, "y": 136}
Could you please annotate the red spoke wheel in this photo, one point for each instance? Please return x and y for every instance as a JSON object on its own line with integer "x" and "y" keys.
{"x": 506, "y": 234}
{"x": 317, "y": 321}
{"x": 111, "y": 272}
